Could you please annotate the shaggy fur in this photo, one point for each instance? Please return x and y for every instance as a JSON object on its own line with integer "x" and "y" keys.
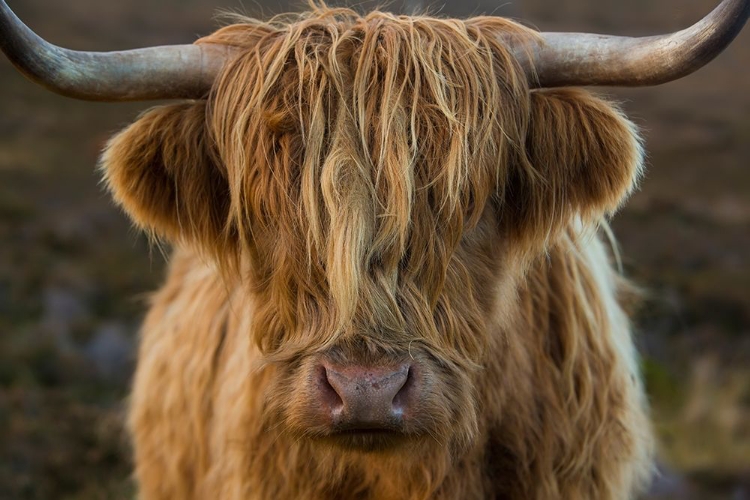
{"x": 379, "y": 187}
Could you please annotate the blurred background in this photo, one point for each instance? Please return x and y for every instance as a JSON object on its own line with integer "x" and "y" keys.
{"x": 74, "y": 274}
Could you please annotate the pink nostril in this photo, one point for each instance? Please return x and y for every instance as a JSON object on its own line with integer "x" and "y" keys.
{"x": 328, "y": 395}
{"x": 401, "y": 399}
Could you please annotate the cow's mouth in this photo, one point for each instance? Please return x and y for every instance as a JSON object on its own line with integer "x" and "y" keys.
{"x": 367, "y": 439}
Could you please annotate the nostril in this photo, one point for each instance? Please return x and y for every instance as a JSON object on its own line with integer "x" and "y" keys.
{"x": 401, "y": 399}
{"x": 328, "y": 394}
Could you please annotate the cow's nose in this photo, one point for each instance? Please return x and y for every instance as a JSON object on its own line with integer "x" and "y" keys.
{"x": 366, "y": 398}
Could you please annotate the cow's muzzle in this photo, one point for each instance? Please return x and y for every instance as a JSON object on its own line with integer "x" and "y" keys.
{"x": 365, "y": 406}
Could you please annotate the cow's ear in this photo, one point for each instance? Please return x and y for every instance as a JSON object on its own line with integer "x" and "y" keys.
{"x": 581, "y": 159}
{"x": 164, "y": 172}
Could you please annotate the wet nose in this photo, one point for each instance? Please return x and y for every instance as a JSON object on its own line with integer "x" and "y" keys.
{"x": 361, "y": 398}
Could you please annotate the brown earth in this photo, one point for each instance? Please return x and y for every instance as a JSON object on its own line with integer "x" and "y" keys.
{"x": 73, "y": 274}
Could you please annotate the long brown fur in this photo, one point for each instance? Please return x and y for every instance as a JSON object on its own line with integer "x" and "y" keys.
{"x": 376, "y": 186}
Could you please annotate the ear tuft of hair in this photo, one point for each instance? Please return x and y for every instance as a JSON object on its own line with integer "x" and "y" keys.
{"x": 163, "y": 171}
{"x": 582, "y": 159}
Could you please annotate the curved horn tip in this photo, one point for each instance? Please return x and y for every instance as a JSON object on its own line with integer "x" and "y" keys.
{"x": 565, "y": 59}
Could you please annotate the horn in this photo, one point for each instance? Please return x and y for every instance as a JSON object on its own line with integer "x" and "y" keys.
{"x": 170, "y": 72}
{"x": 566, "y": 59}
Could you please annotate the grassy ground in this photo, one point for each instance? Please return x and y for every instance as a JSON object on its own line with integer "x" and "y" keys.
{"x": 73, "y": 274}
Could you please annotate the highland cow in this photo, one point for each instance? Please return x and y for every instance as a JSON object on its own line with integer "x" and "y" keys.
{"x": 387, "y": 280}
